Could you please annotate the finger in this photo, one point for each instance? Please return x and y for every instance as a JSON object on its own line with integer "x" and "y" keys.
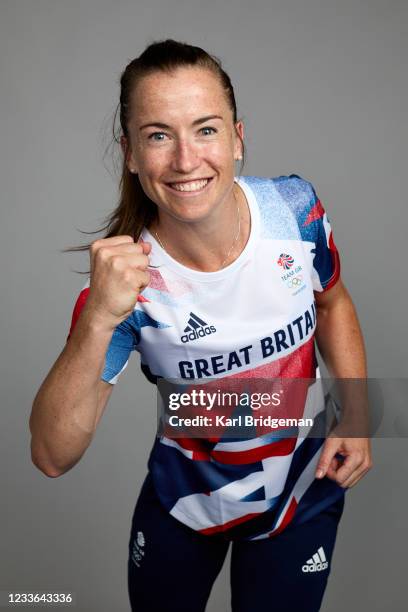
{"x": 350, "y": 465}
{"x": 140, "y": 261}
{"x": 139, "y": 247}
{"x": 326, "y": 457}
{"x": 144, "y": 280}
{"x": 147, "y": 247}
{"x": 350, "y": 482}
{"x": 333, "y": 467}
{"x": 128, "y": 247}
{"x": 354, "y": 478}
{"x": 137, "y": 250}
{"x": 114, "y": 240}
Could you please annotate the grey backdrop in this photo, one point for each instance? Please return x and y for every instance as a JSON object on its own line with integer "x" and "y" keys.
{"x": 322, "y": 89}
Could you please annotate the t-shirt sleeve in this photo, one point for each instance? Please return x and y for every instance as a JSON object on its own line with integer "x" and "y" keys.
{"x": 315, "y": 226}
{"x": 123, "y": 341}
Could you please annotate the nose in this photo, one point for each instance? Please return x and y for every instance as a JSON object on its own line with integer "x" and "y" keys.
{"x": 185, "y": 157}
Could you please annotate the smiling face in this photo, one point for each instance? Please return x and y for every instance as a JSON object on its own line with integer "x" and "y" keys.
{"x": 183, "y": 142}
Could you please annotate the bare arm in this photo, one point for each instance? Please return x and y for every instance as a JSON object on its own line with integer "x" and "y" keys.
{"x": 341, "y": 344}
{"x": 71, "y": 400}
{"x": 338, "y": 333}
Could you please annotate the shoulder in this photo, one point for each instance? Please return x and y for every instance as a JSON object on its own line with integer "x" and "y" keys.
{"x": 300, "y": 197}
{"x": 294, "y": 198}
{"x": 297, "y": 191}
{"x": 293, "y": 189}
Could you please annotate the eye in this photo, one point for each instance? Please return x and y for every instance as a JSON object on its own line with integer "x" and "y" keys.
{"x": 207, "y": 127}
{"x": 151, "y": 136}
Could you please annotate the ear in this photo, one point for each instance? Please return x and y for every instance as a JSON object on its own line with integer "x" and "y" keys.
{"x": 238, "y": 152}
{"x": 128, "y": 155}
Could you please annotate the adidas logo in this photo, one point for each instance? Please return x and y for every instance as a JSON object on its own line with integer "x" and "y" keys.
{"x": 317, "y": 563}
{"x": 196, "y": 328}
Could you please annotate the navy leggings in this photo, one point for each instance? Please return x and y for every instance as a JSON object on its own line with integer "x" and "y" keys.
{"x": 172, "y": 568}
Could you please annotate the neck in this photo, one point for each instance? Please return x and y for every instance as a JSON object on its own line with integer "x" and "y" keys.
{"x": 210, "y": 244}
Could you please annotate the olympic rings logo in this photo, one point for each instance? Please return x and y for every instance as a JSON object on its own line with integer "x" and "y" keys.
{"x": 295, "y": 282}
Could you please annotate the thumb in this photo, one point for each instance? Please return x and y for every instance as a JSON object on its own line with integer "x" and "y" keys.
{"x": 327, "y": 454}
{"x": 147, "y": 247}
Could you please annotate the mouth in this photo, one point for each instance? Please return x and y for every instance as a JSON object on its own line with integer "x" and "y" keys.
{"x": 190, "y": 187}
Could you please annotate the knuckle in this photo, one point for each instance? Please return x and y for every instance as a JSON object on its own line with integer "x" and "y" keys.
{"x": 359, "y": 456}
{"x": 128, "y": 276}
{"x": 95, "y": 245}
{"x": 103, "y": 253}
{"x": 145, "y": 278}
{"x": 118, "y": 264}
{"x": 144, "y": 260}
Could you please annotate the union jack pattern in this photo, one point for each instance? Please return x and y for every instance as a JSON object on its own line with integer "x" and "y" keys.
{"x": 243, "y": 489}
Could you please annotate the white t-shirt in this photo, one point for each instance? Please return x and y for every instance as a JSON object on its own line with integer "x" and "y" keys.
{"x": 255, "y": 318}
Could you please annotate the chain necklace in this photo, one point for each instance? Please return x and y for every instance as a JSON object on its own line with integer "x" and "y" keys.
{"x": 232, "y": 245}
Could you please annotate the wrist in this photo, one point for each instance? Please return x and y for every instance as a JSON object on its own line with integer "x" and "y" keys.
{"x": 98, "y": 321}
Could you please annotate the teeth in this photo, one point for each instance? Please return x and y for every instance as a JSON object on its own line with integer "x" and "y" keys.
{"x": 191, "y": 186}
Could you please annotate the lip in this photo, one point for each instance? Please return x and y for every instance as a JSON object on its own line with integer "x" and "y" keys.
{"x": 190, "y": 194}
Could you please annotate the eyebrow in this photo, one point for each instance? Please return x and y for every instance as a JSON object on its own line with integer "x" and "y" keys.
{"x": 196, "y": 122}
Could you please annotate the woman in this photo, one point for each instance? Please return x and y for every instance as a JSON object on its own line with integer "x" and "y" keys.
{"x": 197, "y": 272}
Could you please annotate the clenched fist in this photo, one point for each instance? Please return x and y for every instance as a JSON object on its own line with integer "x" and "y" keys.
{"x": 118, "y": 274}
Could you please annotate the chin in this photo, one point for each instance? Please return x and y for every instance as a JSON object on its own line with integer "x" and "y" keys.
{"x": 189, "y": 216}
{"x": 188, "y": 210}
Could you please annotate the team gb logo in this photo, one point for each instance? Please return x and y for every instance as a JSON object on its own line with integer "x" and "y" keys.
{"x": 286, "y": 261}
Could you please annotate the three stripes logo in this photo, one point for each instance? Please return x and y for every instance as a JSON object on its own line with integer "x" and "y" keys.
{"x": 317, "y": 563}
{"x": 196, "y": 328}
